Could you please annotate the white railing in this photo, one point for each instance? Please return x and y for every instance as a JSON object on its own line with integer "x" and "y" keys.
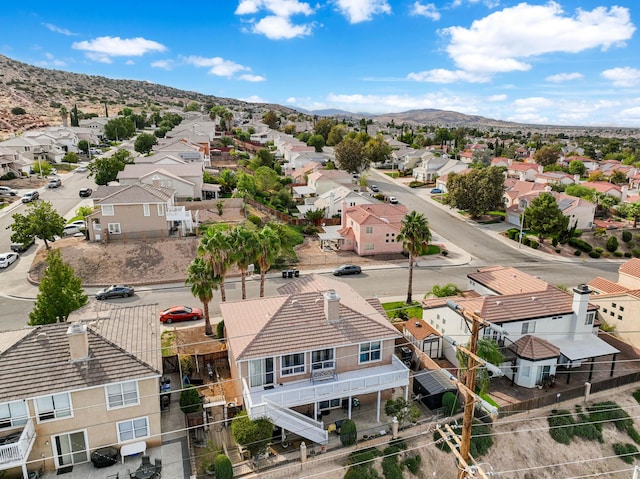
{"x": 18, "y": 452}
{"x": 297, "y": 423}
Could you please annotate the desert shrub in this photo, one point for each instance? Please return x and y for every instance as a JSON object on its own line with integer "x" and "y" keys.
{"x": 598, "y": 249}
{"x": 8, "y": 176}
{"x": 636, "y": 395}
{"x": 561, "y": 426}
{"x": 413, "y": 464}
{"x": 309, "y": 230}
{"x": 627, "y": 236}
{"x": 554, "y": 242}
{"x": 580, "y": 244}
{"x": 390, "y": 467}
{"x": 18, "y": 110}
{"x": 577, "y": 252}
{"x": 534, "y": 244}
{"x": 594, "y": 254}
{"x": 627, "y": 254}
{"x": 626, "y": 452}
{"x": 361, "y": 472}
{"x": 586, "y": 429}
{"x": 450, "y": 403}
{"x": 255, "y": 219}
{"x": 618, "y": 254}
{"x": 609, "y": 411}
{"x": 558, "y": 250}
{"x": 348, "y": 433}
{"x": 636, "y": 253}
{"x": 364, "y": 455}
{"x": 223, "y": 467}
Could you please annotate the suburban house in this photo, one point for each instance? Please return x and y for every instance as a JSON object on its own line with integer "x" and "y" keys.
{"x": 542, "y": 328}
{"x": 317, "y": 346}
{"x": 580, "y": 212}
{"x": 436, "y": 166}
{"x": 185, "y": 178}
{"x": 334, "y": 200}
{"x": 12, "y": 161}
{"x": 606, "y": 188}
{"x": 70, "y": 388}
{"x": 182, "y": 149}
{"x": 557, "y": 178}
{"x": 27, "y": 147}
{"x": 322, "y": 181}
{"x": 97, "y": 124}
{"x": 524, "y": 171}
{"x": 136, "y": 211}
{"x": 367, "y": 229}
{"x": 620, "y": 301}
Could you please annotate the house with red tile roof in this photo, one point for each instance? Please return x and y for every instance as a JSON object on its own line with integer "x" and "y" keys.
{"x": 580, "y": 212}
{"x": 316, "y": 346}
{"x": 524, "y": 171}
{"x": 606, "y": 188}
{"x": 557, "y": 178}
{"x": 543, "y": 330}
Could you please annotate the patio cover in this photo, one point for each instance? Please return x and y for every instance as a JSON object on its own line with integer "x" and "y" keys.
{"x": 586, "y": 346}
{"x": 330, "y": 233}
{"x": 303, "y": 190}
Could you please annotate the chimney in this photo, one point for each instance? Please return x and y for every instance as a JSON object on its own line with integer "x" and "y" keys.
{"x": 78, "y": 342}
{"x": 155, "y": 180}
{"x": 332, "y": 306}
{"x": 580, "y": 305}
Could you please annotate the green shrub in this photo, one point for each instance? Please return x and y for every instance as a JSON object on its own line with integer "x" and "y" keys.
{"x": 577, "y": 233}
{"x": 580, "y": 244}
{"x": 598, "y": 249}
{"x": 526, "y": 241}
{"x": 636, "y": 253}
{"x": 612, "y": 244}
{"x": 627, "y": 254}
{"x": 534, "y": 244}
{"x": 413, "y": 464}
{"x": 577, "y": 252}
{"x": 361, "y": 472}
{"x": 450, "y": 403}
{"x": 561, "y": 426}
{"x": 390, "y": 468}
{"x": 554, "y": 242}
{"x": 558, "y": 250}
{"x": 594, "y": 254}
{"x": 513, "y": 233}
{"x": 255, "y": 219}
{"x": 618, "y": 254}
{"x": 348, "y": 433}
{"x": 627, "y": 236}
{"x": 626, "y": 452}
{"x": 220, "y": 329}
{"x": 309, "y": 230}
{"x": 636, "y": 395}
{"x": 223, "y": 467}
{"x": 190, "y": 400}
{"x": 8, "y": 176}
{"x": 364, "y": 455}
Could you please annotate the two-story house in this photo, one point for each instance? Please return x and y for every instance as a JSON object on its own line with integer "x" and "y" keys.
{"x": 185, "y": 178}
{"x": 69, "y": 388}
{"x": 333, "y": 201}
{"x": 322, "y": 181}
{"x": 545, "y": 328}
{"x": 315, "y": 347}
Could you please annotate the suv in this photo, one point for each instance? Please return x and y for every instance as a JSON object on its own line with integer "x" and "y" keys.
{"x": 85, "y": 192}
{"x": 6, "y": 191}
{"x": 393, "y": 200}
{"x": 374, "y": 188}
{"x": 30, "y": 196}
{"x": 22, "y": 247}
{"x": 74, "y": 228}
{"x": 54, "y": 183}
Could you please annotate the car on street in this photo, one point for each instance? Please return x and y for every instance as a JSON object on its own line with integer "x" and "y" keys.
{"x": 22, "y": 247}
{"x": 115, "y": 291}
{"x": 8, "y": 258}
{"x": 30, "y": 196}
{"x": 85, "y": 192}
{"x": 374, "y": 188}
{"x": 436, "y": 191}
{"x": 180, "y": 313}
{"x": 54, "y": 183}
{"x": 393, "y": 200}
{"x": 74, "y": 227}
{"x": 81, "y": 169}
{"x": 347, "y": 269}
{"x": 6, "y": 191}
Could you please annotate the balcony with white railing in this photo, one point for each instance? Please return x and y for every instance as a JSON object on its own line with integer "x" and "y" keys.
{"x": 14, "y": 447}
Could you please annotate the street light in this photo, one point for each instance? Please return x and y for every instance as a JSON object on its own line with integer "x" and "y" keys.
{"x": 521, "y": 227}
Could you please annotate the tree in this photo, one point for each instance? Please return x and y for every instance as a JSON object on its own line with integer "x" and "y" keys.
{"x": 404, "y": 411}
{"x": 547, "y": 155}
{"x": 84, "y": 211}
{"x": 618, "y": 178}
{"x": 488, "y": 350}
{"x": 576, "y": 167}
{"x": 105, "y": 170}
{"x": 64, "y": 116}
{"x": 544, "y": 216}
{"x": 245, "y": 248}
{"x": 633, "y": 212}
{"x": 596, "y": 176}
{"x": 227, "y": 180}
{"x": 70, "y": 157}
{"x": 581, "y": 191}
{"x": 323, "y": 127}
{"x": 269, "y": 246}
{"x": 348, "y": 432}
{"x": 190, "y": 401}
{"x": 477, "y": 191}
{"x": 223, "y": 467}
{"x": 271, "y": 119}
{"x": 217, "y": 249}
{"x": 83, "y": 146}
{"x": 41, "y": 221}
{"x": 448, "y": 289}
{"x": 144, "y": 142}
{"x": 377, "y": 150}
{"x": 349, "y": 154}
{"x": 266, "y": 179}
{"x": 253, "y": 434}
{"x": 119, "y": 128}
{"x": 336, "y": 134}
{"x": 415, "y": 236}
{"x": 317, "y": 141}
{"x": 202, "y": 282}
{"x": 60, "y": 292}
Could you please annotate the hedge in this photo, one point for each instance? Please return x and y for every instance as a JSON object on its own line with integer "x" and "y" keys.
{"x": 627, "y": 236}
{"x": 594, "y": 254}
{"x": 580, "y": 244}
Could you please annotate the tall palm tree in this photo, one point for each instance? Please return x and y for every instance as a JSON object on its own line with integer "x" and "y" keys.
{"x": 203, "y": 282}
{"x": 415, "y": 236}
{"x": 215, "y": 248}
{"x": 269, "y": 246}
{"x": 245, "y": 246}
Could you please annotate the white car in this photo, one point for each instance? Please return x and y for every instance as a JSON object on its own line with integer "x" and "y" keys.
{"x": 74, "y": 227}
{"x": 6, "y": 191}
{"x": 7, "y": 258}
{"x": 393, "y": 200}
{"x": 81, "y": 169}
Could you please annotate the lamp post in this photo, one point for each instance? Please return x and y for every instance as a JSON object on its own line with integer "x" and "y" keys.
{"x": 521, "y": 228}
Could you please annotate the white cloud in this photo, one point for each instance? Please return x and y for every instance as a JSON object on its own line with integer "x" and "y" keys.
{"x": 102, "y": 49}
{"x": 496, "y": 98}
{"x": 358, "y": 11}
{"x": 396, "y": 103}
{"x": 623, "y": 77}
{"x": 253, "y": 99}
{"x": 440, "y": 75}
{"x": 56, "y": 29}
{"x": 487, "y": 3}
{"x": 51, "y": 61}
{"x": 129, "y": 62}
{"x": 252, "y": 78}
{"x": 164, "y": 64}
{"x": 281, "y": 8}
{"x": 504, "y": 40}
{"x": 631, "y": 113}
{"x": 217, "y": 66}
{"x": 560, "y": 77}
{"x": 427, "y": 10}
{"x": 277, "y": 28}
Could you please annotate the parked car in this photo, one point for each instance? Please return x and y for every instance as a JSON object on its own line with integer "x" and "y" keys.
{"x": 85, "y": 192}
{"x": 74, "y": 227}
{"x": 22, "y": 247}
{"x": 6, "y": 191}
{"x": 374, "y": 188}
{"x": 393, "y": 200}
{"x": 347, "y": 269}
{"x": 180, "y": 313}
{"x": 115, "y": 291}
{"x": 436, "y": 191}
{"x": 54, "y": 183}
{"x": 7, "y": 258}
{"x": 81, "y": 169}
{"x": 30, "y": 196}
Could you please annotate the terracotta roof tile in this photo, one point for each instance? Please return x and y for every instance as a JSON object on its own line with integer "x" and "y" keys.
{"x": 631, "y": 267}
{"x": 508, "y": 280}
{"x": 420, "y": 329}
{"x": 604, "y": 286}
{"x": 534, "y": 348}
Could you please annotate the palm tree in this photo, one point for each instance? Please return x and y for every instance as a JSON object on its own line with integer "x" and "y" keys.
{"x": 203, "y": 282}
{"x": 269, "y": 246}
{"x": 415, "y": 236}
{"x": 215, "y": 247}
{"x": 227, "y": 116}
{"x": 245, "y": 246}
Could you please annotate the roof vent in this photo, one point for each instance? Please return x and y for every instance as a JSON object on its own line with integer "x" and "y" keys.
{"x": 533, "y": 298}
{"x": 418, "y": 324}
{"x": 498, "y": 303}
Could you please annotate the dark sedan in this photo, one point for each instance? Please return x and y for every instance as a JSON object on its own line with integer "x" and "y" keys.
{"x": 347, "y": 269}
{"x": 85, "y": 192}
{"x": 180, "y": 313}
{"x": 115, "y": 291}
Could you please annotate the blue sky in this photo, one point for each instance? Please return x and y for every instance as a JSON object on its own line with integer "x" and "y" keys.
{"x": 563, "y": 62}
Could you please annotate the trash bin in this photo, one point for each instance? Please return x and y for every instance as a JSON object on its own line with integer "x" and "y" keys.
{"x": 290, "y": 274}
{"x": 284, "y": 274}
{"x": 296, "y": 273}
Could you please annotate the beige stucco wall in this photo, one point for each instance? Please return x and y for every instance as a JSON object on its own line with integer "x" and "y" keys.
{"x": 131, "y": 219}
{"x": 628, "y": 327}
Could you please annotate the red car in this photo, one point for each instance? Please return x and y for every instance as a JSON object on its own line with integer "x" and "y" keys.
{"x": 180, "y": 313}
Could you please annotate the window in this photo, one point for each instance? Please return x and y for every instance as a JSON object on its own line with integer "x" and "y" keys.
{"x": 133, "y": 429}
{"x": 322, "y": 359}
{"x": 145, "y": 208}
{"x": 332, "y": 404}
{"x": 107, "y": 210}
{"x": 611, "y": 313}
{"x": 369, "y": 246}
{"x": 56, "y": 406}
{"x": 604, "y": 310}
{"x": 613, "y": 305}
{"x": 13, "y": 414}
{"x": 620, "y": 317}
{"x": 292, "y": 364}
{"x": 160, "y": 209}
{"x": 122, "y": 394}
{"x": 590, "y": 318}
{"x": 621, "y": 308}
{"x": 114, "y": 228}
{"x": 370, "y": 352}
{"x": 528, "y": 327}
{"x": 369, "y": 230}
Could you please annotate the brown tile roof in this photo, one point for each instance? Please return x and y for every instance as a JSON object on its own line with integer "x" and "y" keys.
{"x": 39, "y": 363}
{"x": 508, "y": 280}
{"x": 372, "y": 214}
{"x": 420, "y": 329}
{"x": 604, "y": 286}
{"x": 140, "y": 170}
{"x": 534, "y": 348}
{"x": 518, "y": 307}
{"x": 134, "y": 194}
{"x": 631, "y": 267}
{"x": 296, "y": 322}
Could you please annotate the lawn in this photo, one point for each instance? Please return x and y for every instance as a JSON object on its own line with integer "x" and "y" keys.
{"x": 394, "y": 307}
